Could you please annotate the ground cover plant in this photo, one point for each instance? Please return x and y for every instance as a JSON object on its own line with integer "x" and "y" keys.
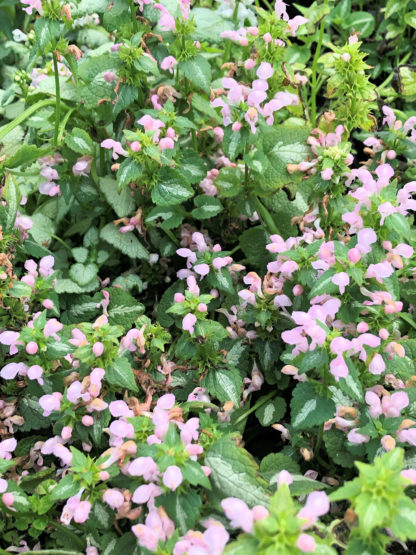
{"x": 207, "y": 294}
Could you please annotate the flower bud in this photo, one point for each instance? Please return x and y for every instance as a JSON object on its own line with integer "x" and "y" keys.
{"x": 87, "y": 420}
{"x": 32, "y": 348}
{"x": 354, "y": 255}
{"x": 8, "y": 499}
{"x": 98, "y": 349}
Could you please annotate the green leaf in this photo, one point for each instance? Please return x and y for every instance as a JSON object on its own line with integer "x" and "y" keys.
{"x": 33, "y": 414}
{"x": 283, "y": 145}
{"x": 224, "y": 384}
{"x": 253, "y": 243}
{"x": 324, "y": 285}
{"x": 209, "y": 25}
{"x": 43, "y": 228}
{"x": 193, "y": 166}
{"x": 302, "y": 485}
{"x": 312, "y": 360}
{"x": 123, "y": 309}
{"x": 392, "y": 7}
{"x": 207, "y": 207}
{"x": 171, "y": 216}
{"x": 171, "y": 188}
{"x": 202, "y": 105}
{"x": 193, "y": 473}
{"x": 121, "y": 202}
{"x": 46, "y": 30}
{"x": 197, "y": 70}
{"x": 25, "y": 155}
{"x": 410, "y": 18}
{"x": 273, "y": 463}
{"x": 360, "y": 21}
{"x": 128, "y": 172}
{"x": 83, "y": 274}
{"x": 127, "y": 243}
{"x": 272, "y": 411}
{"x": 222, "y": 280}
{"x": 340, "y": 11}
{"x": 351, "y": 385}
{"x": 79, "y": 141}
{"x": 69, "y": 286}
{"x": 407, "y": 83}
{"x": 229, "y": 182}
{"x": 80, "y": 254}
{"x": 20, "y": 290}
{"x": 183, "y": 508}
{"x": 120, "y": 374}
{"x": 12, "y": 196}
{"x": 309, "y": 410}
{"x": 335, "y": 445}
{"x": 67, "y": 487}
{"x": 234, "y": 142}
{"x": 399, "y": 223}
{"x": 234, "y": 473}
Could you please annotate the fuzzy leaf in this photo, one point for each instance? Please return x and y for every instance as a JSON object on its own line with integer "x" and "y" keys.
{"x": 127, "y": 243}
{"x": 120, "y": 374}
{"x": 234, "y": 473}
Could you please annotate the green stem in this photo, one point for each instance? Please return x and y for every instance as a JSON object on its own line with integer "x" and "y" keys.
{"x": 314, "y": 85}
{"x": 133, "y": 10}
{"x": 266, "y": 217}
{"x": 61, "y": 241}
{"x": 390, "y": 77}
{"x": 5, "y": 129}
{"x": 257, "y": 405}
{"x": 194, "y": 139}
{"x": 63, "y": 124}
{"x": 235, "y": 249}
{"x": 58, "y": 100}
{"x": 171, "y": 236}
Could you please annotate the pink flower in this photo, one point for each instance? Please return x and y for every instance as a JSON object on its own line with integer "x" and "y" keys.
{"x": 379, "y": 271}
{"x": 146, "y": 493}
{"x": 120, "y": 408}
{"x": 357, "y": 438}
{"x": 327, "y": 174}
{"x": 35, "y": 373}
{"x": 82, "y": 511}
{"x": 172, "y": 477}
{"x": 166, "y": 21}
{"x": 339, "y": 368}
{"x": 8, "y": 499}
{"x": 342, "y": 280}
{"x": 317, "y": 504}
{"x": 7, "y": 446}
{"x": 377, "y": 365}
{"x": 51, "y": 328}
{"x": 294, "y": 23}
{"x": 166, "y": 144}
{"x": 392, "y": 405}
{"x": 144, "y": 466}
{"x": 306, "y": 543}
{"x": 11, "y": 339}
{"x": 32, "y": 5}
{"x": 98, "y": 349}
{"x": 238, "y": 513}
{"x": 188, "y": 323}
{"x": 169, "y": 63}
{"x": 50, "y": 403}
{"x": 115, "y": 146}
{"x": 284, "y": 477}
{"x": 114, "y": 498}
{"x": 11, "y": 370}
